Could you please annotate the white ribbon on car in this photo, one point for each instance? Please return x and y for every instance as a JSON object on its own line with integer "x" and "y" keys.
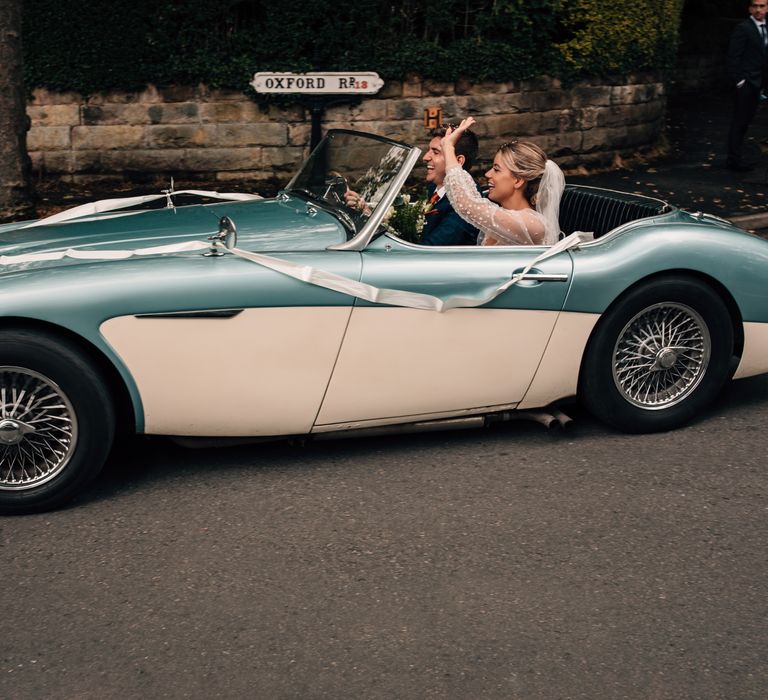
{"x": 77, "y": 254}
{"x": 109, "y": 205}
{"x": 309, "y": 274}
{"x": 397, "y": 297}
{"x": 303, "y": 273}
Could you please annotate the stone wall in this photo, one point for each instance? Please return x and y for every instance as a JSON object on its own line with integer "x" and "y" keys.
{"x": 215, "y": 135}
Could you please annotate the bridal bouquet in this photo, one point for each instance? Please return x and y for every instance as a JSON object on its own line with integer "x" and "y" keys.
{"x": 405, "y": 217}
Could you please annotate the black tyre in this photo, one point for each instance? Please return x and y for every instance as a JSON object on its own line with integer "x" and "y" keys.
{"x": 57, "y": 421}
{"x": 658, "y": 356}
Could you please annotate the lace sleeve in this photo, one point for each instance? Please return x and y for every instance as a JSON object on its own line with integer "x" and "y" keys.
{"x": 500, "y": 226}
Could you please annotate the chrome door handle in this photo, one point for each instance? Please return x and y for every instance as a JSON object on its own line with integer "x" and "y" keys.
{"x": 534, "y": 275}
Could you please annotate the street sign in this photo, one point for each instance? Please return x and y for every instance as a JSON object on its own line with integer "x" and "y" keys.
{"x": 318, "y": 83}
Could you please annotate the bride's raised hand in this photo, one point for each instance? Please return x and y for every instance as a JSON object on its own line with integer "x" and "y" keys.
{"x": 452, "y": 135}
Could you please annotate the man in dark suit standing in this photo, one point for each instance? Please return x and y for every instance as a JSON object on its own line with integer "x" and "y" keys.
{"x": 442, "y": 225}
{"x": 746, "y": 65}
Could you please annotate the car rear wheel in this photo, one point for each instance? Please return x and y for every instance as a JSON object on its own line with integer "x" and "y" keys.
{"x": 658, "y": 356}
{"x": 56, "y": 421}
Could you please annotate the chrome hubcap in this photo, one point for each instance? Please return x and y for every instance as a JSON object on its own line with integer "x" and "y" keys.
{"x": 12, "y": 431}
{"x": 661, "y": 355}
{"x": 38, "y": 430}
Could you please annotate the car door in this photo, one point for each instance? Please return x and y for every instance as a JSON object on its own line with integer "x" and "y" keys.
{"x": 398, "y": 363}
{"x": 230, "y": 348}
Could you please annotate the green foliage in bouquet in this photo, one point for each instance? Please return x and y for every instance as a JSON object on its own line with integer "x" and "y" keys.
{"x": 406, "y": 217}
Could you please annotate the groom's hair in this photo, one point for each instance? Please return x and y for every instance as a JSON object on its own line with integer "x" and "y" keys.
{"x": 466, "y": 146}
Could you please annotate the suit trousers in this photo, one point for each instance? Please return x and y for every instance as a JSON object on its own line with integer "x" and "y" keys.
{"x": 746, "y": 99}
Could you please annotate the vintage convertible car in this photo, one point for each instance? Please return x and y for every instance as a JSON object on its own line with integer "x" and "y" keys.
{"x": 299, "y": 315}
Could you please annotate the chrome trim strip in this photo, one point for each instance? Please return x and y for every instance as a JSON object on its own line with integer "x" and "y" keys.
{"x": 218, "y": 313}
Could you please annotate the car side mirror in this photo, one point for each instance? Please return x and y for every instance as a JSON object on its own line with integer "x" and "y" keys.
{"x": 228, "y": 231}
{"x": 227, "y": 234}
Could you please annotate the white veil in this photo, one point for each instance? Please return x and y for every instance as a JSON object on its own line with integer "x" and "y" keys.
{"x": 548, "y": 201}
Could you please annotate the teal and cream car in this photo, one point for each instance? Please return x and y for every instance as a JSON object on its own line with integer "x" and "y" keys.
{"x": 298, "y": 315}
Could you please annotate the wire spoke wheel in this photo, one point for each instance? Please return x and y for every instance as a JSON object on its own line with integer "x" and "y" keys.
{"x": 661, "y": 356}
{"x": 38, "y": 429}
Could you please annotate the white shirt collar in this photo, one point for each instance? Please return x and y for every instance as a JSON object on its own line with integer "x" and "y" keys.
{"x": 440, "y": 191}
{"x": 759, "y": 24}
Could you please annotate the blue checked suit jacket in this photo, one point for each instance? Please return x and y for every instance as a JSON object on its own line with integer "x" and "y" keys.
{"x": 443, "y": 226}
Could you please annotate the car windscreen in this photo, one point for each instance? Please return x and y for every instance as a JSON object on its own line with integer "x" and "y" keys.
{"x": 349, "y": 173}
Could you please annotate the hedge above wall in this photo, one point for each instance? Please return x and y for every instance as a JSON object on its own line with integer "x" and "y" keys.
{"x": 113, "y": 44}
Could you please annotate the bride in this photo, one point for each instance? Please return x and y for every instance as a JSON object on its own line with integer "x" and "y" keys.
{"x": 520, "y": 179}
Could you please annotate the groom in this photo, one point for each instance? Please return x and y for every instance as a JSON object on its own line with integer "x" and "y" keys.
{"x": 442, "y": 225}
{"x": 747, "y": 65}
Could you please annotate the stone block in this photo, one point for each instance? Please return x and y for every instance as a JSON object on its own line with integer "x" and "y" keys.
{"x": 174, "y": 113}
{"x": 184, "y": 93}
{"x": 618, "y": 115}
{"x": 41, "y": 96}
{"x": 463, "y": 86}
{"x": 479, "y": 105}
{"x": 405, "y": 109}
{"x": 586, "y": 117}
{"x": 508, "y": 87}
{"x": 220, "y": 95}
{"x": 590, "y": 96}
{"x": 539, "y": 84}
{"x": 484, "y": 88}
{"x": 299, "y": 134}
{"x": 106, "y": 137}
{"x": 624, "y": 94}
{"x": 367, "y": 110}
{"x": 508, "y": 102}
{"x": 411, "y": 132}
{"x": 119, "y": 97}
{"x": 245, "y": 111}
{"x": 290, "y": 158}
{"x": 412, "y": 86}
{"x": 597, "y": 139}
{"x": 503, "y": 127}
{"x": 215, "y": 159}
{"x": 58, "y": 162}
{"x": 437, "y": 88}
{"x": 181, "y": 135}
{"x": 544, "y": 100}
{"x": 144, "y": 160}
{"x": 87, "y": 161}
{"x": 54, "y": 115}
{"x": 150, "y": 95}
{"x": 49, "y": 138}
{"x": 287, "y": 113}
{"x": 242, "y": 180}
{"x": 113, "y": 114}
{"x": 392, "y": 89}
{"x": 238, "y": 135}
{"x": 559, "y": 145}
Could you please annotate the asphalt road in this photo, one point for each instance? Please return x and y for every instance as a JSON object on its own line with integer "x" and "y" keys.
{"x": 505, "y": 563}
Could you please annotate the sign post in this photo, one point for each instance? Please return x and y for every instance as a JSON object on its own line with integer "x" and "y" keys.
{"x": 318, "y": 91}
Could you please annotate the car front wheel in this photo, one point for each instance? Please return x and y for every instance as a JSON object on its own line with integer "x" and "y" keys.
{"x": 658, "y": 356}
{"x": 56, "y": 421}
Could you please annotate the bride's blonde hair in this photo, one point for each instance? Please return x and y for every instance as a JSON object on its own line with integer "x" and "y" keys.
{"x": 526, "y": 160}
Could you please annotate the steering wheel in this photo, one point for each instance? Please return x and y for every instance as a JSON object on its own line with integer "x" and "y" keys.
{"x": 335, "y": 189}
